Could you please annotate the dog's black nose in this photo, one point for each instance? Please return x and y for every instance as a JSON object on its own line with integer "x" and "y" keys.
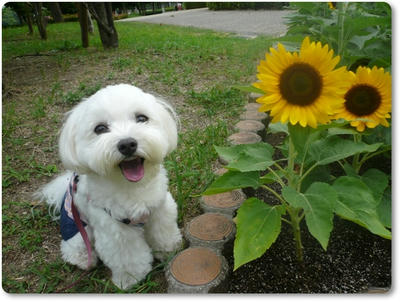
{"x": 127, "y": 146}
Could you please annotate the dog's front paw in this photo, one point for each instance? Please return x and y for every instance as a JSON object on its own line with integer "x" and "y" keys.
{"x": 124, "y": 280}
{"x": 169, "y": 248}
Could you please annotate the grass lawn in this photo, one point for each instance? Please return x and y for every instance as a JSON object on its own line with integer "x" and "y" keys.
{"x": 193, "y": 69}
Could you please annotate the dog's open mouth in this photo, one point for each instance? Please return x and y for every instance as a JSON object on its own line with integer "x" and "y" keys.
{"x": 133, "y": 170}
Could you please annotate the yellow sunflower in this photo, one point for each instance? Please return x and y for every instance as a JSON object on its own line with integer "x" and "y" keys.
{"x": 332, "y": 5}
{"x": 302, "y": 87}
{"x": 369, "y": 98}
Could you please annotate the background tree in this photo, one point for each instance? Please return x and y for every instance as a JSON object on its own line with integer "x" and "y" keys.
{"x": 83, "y": 22}
{"x": 24, "y": 12}
{"x": 37, "y": 6}
{"x": 102, "y": 12}
{"x": 90, "y": 23}
{"x": 56, "y": 12}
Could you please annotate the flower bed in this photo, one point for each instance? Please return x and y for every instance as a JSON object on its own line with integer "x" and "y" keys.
{"x": 355, "y": 261}
{"x": 335, "y": 118}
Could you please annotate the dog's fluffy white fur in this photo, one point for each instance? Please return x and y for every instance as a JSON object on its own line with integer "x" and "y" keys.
{"x": 89, "y": 145}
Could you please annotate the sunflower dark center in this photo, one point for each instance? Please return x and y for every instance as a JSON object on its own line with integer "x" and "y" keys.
{"x": 300, "y": 84}
{"x": 362, "y": 100}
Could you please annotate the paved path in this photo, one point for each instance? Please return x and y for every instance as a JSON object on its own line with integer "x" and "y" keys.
{"x": 246, "y": 23}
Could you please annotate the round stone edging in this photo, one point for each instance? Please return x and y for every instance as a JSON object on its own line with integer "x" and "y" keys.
{"x": 202, "y": 268}
{"x": 255, "y": 115}
{"x": 175, "y": 286}
{"x": 217, "y": 205}
{"x": 225, "y": 230}
{"x": 251, "y": 126}
{"x": 252, "y": 106}
{"x": 240, "y": 138}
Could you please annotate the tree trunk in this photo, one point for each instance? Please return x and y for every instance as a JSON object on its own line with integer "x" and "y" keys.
{"x": 29, "y": 21}
{"x": 90, "y": 23}
{"x": 27, "y": 13}
{"x": 40, "y": 20}
{"x": 56, "y": 12}
{"x": 83, "y": 22}
{"x": 102, "y": 12}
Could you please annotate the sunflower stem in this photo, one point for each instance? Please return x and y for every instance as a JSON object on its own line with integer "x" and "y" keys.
{"x": 305, "y": 175}
{"x": 295, "y": 222}
{"x": 294, "y": 213}
{"x": 291, "y": 163}
{"x": 356, "y": 159}
{"x": 278, "y": 178}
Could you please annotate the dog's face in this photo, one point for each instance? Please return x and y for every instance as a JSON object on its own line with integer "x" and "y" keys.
{"x": 120, "y": 129}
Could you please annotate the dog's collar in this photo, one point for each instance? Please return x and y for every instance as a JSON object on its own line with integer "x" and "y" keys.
{"x": 139, "y": 222}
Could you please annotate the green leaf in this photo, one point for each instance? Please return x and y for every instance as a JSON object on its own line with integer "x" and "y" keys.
{"x": 384, "y": 208}
{"x": 232, "y": 180}
{"x": 357, "y": 203}
{"x": 278, "y": 127}
{"x": 318, "y": 204}
{"x": 318, "y": 174}
{"x": 377, "y": 181}
{"x": 359, "y": 24}
{"x": 380, "y": 134}
{"x": 360, "y": 40}
{"x": 331, "y": 149}
{"x": 258, "y": 225}
{"x": 349, "y": 170}
{"x": 340, "y": 131}
{"x": 247, "y": 157}
{"x": 249, "y": 88}
{"x": 302, "y": 137}
{"x": 271, "y": 177}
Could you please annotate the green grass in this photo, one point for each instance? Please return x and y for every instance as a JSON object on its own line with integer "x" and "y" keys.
{"x": 194, "y": 69}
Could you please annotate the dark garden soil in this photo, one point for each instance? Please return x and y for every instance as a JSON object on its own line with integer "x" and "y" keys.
{"x": 356, "y": 260}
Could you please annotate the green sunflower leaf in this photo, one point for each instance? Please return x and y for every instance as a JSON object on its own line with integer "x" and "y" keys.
{"x": 342, "y": 130}
{"x": 318, "y": 204}
{"x": 278, "y": 127}
{"x": 318, "y": 174}
{"x": 377, "y": 181}
{"x": 272, "y": 177}
{"x": 232, "y": 180}
{"x": 334, "y": 148}
{"x": 384, "y": 208}
{"x": 247, "y": 157}
{"x": 356, "y": 203}
{"x": 302, "y": 137}
{"x": 258, "y": 225}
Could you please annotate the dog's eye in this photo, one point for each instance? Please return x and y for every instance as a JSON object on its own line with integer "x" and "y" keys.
{"x": 101, "y": 128}
{"x": 140, "y": 118}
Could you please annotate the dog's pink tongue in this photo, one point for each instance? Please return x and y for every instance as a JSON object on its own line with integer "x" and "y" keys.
{"x": 133, "y": 170}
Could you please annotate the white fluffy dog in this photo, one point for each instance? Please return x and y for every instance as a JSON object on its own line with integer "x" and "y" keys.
{"x": 113, "y": 145}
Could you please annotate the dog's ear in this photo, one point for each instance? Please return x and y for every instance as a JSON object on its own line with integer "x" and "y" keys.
{"x": 67, "y": 141}
{"x": 171, "y": 124}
